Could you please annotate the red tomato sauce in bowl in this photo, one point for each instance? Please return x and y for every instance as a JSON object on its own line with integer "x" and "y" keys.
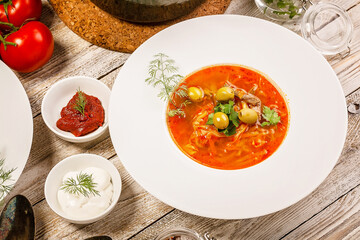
{"x": 78, "y": 123}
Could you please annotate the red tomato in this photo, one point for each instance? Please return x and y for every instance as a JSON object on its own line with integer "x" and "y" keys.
{"x": 35, "y": 45}
{"x": 20, "y": 11}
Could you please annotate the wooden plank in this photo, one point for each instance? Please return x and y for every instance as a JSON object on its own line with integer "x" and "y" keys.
{"x": 47, "y": 150}
{"x": 138, "y": 209}
{"x": 135, "y": 210}
{"x": 42, "y": 159}
{"x": 85, "y": 63}
{"x": 72, "y": 56}
{"x": 347, "y": 68}
{"x": 31, "y": 182}
{"x": 341, "y": 219}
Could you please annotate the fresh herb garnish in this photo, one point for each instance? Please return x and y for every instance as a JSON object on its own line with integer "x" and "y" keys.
{"x": 179, "y": 111}
{"x": 230, "y": 130}
{"x": 5, "y": 175}
{"x": 286, "y": 7}
{"x": 163, "y": 73}
{"x": 80, "y": 102}
{"x": 271, "y": 116}
{"x": 83, "y": 184}
{"x": 210, "y": 119}
{"x": 228, "y": 109}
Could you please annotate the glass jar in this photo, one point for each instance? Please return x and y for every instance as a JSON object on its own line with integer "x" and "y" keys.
{"x": 280, "y": 10}
{"x": 182, "y": 234}
{"x": 326, "y": 26}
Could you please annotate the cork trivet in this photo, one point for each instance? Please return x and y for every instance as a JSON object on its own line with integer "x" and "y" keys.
{"x": 102, "y": 29}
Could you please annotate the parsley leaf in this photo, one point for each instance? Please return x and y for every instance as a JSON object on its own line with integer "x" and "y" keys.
{"x": 218, "y": 108}
{"x": 230, "y": 130}
{"x": 265, "y": 124}
{"x": 271, "y": 116}
{"x": 281, "y": 4}
{"x": 228, "y": 109}
{"x": 234, "y": 117}
{"x": 210, "y": 119}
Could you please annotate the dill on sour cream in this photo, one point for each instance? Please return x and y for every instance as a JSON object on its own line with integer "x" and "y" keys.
{"x": 85, "y": 194}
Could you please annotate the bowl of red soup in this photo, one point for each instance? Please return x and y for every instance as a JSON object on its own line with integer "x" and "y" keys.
{"x": 220, "y": 124}
{"x": 75, "y": 108}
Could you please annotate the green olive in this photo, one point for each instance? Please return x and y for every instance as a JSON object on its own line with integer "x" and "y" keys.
{"x": 248, "y": 115}
{"x": 224, "y": 94}
{"x": 220, "y": 120}
{"x": 195, "y": 94}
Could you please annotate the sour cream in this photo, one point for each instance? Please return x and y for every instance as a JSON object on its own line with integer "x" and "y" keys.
{"x": 81, "y": 207}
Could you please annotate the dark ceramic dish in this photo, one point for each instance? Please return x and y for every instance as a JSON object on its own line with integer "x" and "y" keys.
{"x": 147, "y": 11}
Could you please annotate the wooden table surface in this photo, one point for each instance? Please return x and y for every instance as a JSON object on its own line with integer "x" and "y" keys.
{"x": 332, "y": 211}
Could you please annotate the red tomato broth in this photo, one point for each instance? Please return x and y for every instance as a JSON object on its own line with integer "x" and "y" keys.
{"x": 242, "y": 150}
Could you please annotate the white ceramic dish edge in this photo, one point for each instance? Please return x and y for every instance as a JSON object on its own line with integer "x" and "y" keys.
{"x": 281, "y": 205}
{"x": 55, "y": 99}
{"x": 16, "y": 123}
{"x": 77, "y": 163}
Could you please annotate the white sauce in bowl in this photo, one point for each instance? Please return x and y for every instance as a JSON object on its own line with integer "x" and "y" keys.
{"x": 81, "y": 207}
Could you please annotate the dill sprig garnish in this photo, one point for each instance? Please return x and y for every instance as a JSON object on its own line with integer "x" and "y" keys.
{"x": 80, "y": 102}
{"x": 83, "y": 184}
{"x": 179, "y": 111}
{"x": 5, "y": 176}
{"x": 163, "y": 73}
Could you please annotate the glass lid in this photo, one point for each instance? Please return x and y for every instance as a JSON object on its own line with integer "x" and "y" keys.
{"x": 182, "y": 234}
{"x": 179, "y": 234}
{"x": 328, "y": 28}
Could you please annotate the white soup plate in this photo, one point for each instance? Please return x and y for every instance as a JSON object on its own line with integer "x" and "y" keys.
{"x": 76, "y": 163}
{"x": 318, "y": 118}
{"x": 16, "y": 123}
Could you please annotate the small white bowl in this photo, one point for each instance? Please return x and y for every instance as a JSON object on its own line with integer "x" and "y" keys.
{"x": 77, "y": 163}
{"x": 60, "y": 94}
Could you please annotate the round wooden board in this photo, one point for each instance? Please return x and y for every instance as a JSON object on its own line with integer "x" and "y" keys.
{"x": 102, "y": 29}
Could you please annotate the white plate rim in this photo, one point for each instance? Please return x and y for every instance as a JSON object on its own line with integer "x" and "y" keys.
{"x": 25, "y": 142}
{"x": 229, "y": 215}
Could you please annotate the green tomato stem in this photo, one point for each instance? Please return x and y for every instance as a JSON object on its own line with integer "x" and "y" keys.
{"x": 5, "y": 43}
{"x": 9, "y": 25}
{"x": 5, "y": 1}
{"x": 5, "y": 4}
{"x": 2, "y": 38}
